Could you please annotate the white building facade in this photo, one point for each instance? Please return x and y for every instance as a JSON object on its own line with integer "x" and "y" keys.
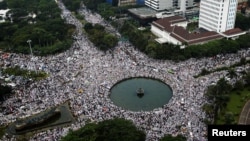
{"x": 164, "y": 31}
{"x": 217, "y": 15}
{"x": 161, "y": 5}
{"x": 126, "y": 2}
{"x": 3, "y": 15}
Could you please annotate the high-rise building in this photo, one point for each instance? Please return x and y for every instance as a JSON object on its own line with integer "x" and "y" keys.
{"x": 161, "y": 5}
{"x": 217, "y": 15}
{"x": 125, "y": 2}
{"x": 140, "y": 2}
{"x": 158, "y": 4}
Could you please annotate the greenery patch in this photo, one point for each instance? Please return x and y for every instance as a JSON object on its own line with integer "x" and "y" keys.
{"x": 17, "y": 71}
{"x": 108, "y": 130}
{"x": 36, "y": 20}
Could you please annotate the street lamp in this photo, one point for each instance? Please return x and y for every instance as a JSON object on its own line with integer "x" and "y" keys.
{"x": 68, "y": 59}
{"x": 29, "y": 41}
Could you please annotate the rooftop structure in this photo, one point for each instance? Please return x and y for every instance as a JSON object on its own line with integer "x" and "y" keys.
{"x": 173, "y": 30}
{"x": 143, "y": 12}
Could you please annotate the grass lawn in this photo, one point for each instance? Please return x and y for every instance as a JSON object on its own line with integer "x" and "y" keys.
{"x": 235, "y": 104}
{"x": 17, "y": 71}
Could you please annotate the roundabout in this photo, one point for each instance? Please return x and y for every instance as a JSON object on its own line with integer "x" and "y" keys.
{"x": 140, "y": 93}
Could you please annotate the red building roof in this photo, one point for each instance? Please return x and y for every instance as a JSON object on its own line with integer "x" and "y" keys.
{"x": 182, "y": 34}
{"x": 233, "y": 31}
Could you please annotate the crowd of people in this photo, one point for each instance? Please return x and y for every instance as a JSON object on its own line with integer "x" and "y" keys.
{"x": 78, "y": 75}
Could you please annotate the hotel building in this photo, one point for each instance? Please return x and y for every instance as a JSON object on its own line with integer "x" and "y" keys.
{"x": 217, "y": 15}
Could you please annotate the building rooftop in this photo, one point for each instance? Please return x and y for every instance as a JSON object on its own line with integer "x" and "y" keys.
{"x": 167, "y": 21}
{"x": 143, "y": 12}
{"x": 182, "y": 34}
{"x": 233, "y": 31}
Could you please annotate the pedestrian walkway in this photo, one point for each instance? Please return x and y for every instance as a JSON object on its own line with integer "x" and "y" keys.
{"x": 245, "y": 114}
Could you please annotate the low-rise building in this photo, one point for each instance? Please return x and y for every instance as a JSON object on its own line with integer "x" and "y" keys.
{"x": 173, "y": 30}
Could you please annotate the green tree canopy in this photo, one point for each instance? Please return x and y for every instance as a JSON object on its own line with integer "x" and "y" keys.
{"x": 72, "y": 5}
{"x": 47, "y": 30}
{"x": 93, "y": 4}
{"x": 101, "y": 39}
{"x": 4, "y": 90}
{"x": 109, "y": 130}
{"x": 3, "y": 5}
{"x": 242, "y": 21}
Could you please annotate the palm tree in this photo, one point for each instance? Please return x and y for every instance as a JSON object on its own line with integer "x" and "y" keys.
{"x": 232, "y": 73}
{"x": 247, "y": 78}
{"x": 243, "y": 61}
{"x": 239, "y": 85}
{"x": 208, "y": 109}
{"x": 223, "y": 87}
{"x": 229, "y": 118}
{"x": 221, "y": 102}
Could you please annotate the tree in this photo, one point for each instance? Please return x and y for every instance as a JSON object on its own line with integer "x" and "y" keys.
{"x": 204, "y": 71}
{"x": 218, "y": 95}
{"x": 244, "y": 41}
{"x": 49, "y": 35}
{"x": 242, "y": 22}
{"x": 171, "y": 138}
{"x": 223, "y": 87}
{"x": 231, "y": 73}
{"x": 243, "y": 10}
{"x": 105, "y": 10}
{"x": 72, "y": 5}
{"x": 92, "y": 4}
{"x": 151, "y": 49}
{"x": 109, "y": 41}
{"x": 243, "y": 61}
{"x": 88, "y": 27}
{"x": 115, "y": 2}
{"x": 220, "y": 103}
{"x": 100, "y": 38}
{"x": 109, "y": 130}
{"x": 3, "y": 5}
{"x": 209, "y": 109}
{"x": 229, "y": 118}
{"x": 247, "y": 79}
{"x": 239, "y": 85}
{"x": 4, "y": 90}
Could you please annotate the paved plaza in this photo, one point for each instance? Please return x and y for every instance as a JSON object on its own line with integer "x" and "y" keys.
{"x": 78, "y": 74}
{"x": 245, "y": 114}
